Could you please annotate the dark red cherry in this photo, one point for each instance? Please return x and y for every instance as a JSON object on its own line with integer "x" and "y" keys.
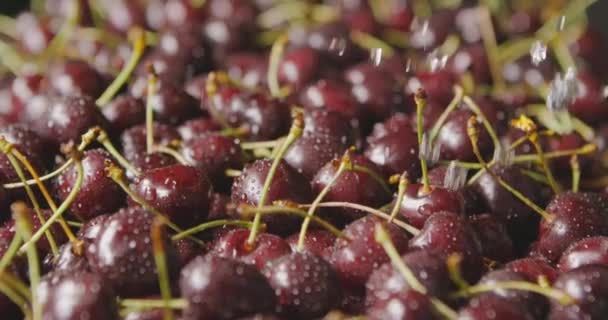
{"x": 89, "y": 294}
{"x": 449, "y": 233}
{"x": 361, "y": 20}
{"x": 417, "y": 205}
{"x": 306, "y": 285}
{"x": 407, "y": 304}
{"x": 149, "y": 314}
{"x": 396, "y": 153}
{"x": 533, "y": 268}
{"x": 471, "y": 59}
{"x": 575, "y": 216}
{"x": 30, "y": 144}
{"x": 496, "y": 242}
{"x": 522, "y": 23}
{"x": 66, "y": 260}
{"x": 310, "y": 152}
{"x": 248, "y": 67}
{"x": 98, "y": 194}
{"x": 61, "y": 119}
{"x": 524, "y": 71}
{"x": 214, "y": 153}
{"x": 75, "y": 78}
{"x": 588, "y": 251}
{"x": 42, "y": 245}
{"x": 222, "y": 288}
{"x": 24, "y": 87}
{"x": 234, "y": 245}
{"x": 133, "y": 142}
{"x": 588, "y": 286}
{"x": 33, "y": 33}
{"x": 321, "y": 37}
{"x": 198, "y": 126}
{"x": 453, "y": 140}
{"x": 355, "y": 260}
{"x": 225, "y": 38}
{"x": 521, "y": 220}
{"x": 173, "y": 105}
{"x": 561, "y": 166}
{"x": 122, "y": 253}
{"x": 124, "y": 112}
{"x": 332, "y": 124}
{"x": 352, "y": 186}
{"x": 287, "y": 184}
{"x": 183, "y": 193}
{"x": 429, "y": 33}
{"x": 429, "y": 268}
{"x": 331, "y": 95}
{"x": 492, "y": 307}
{"x": 437, "y": 84}
{"x": 591, "y": 47}
{"x": 122, "y": 15}
{"x": 399, "y": 123}
{"x": 317, "y": 241}
{"x": 591, "y": 104}
{"x": 299, "y": 67}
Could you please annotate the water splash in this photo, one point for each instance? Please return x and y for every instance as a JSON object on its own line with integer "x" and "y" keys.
{"x": 455, "y": 176}
{"x": 563, "y": 91}
{"x": 437, "y": 61}
{"x": 337, "y": 46}
{"x": 538, "y": 52}
{"x": 561, "y": 23}
{"x": 428, "y": 152}
{"x": 375, "y": 55}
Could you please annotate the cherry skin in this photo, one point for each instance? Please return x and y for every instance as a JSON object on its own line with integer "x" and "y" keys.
{"x": 311, "y": 151}
{"x": 214, "y": 153}
{"x": 352, "y": 186}
{"x": 24, "y": 87}
{"x": 124, "y": 112}
{"x": 234, "y": 245}
{"x": 428, "y": 267}
{"x": 331, "y": 95}
{"x": 590, "y": 104}
{"x": 533, "y": 268}
{"x": 305, "y": 285}
{"x": 33, "y": 33}
{"x": 197, "y": 126}
{"x": 30, "y": 144}
{"x": 491, "y": 307}
{"x": 317, "y": 242}
{"x": 355, "y": 260}
{"x": 407, "y": 304}
{"x": 98, "y": 194}
{"x": 222, "y": 288}
{"x": 496, "y": 243}
{"x": 399, "y": 123}
{"x": 133, "y": 142}
{"x": 122, "y": 253}
{"x": 75, "y": 78}
{"x": 42, "y": 245}
{"x": 438, "y": 85}
{"x": 472, "y": 59}
{"x": 173, "y": 105}
{"x": 287, "y": 184}
{"x": 575, "y": 216}
{"x": 453, "y": 140}
{"x": 249, "y": 68}
{"x": 447, "y": 233}
{"x": 183, "y": 193}
{"x": 587, "y": 285}
{"x": 396, "y": 153}
{"x": 320, "y": 122}
{"x": 299, "y": 67}
{"x": 588, "y": 251}
{"x": 417, "y": 206}
{"x": 89, "y": 294}
{"x": 590, "y": 46}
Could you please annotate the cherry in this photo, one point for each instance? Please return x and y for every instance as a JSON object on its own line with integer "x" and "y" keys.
{"x": 331, "y": 95}
{"x": 588, "y": 251}
{"x": 399, "y": 123}
{"x": 310, "y": 152}
{"x": 473, "y": 59}
{"x": 234, "y": 245}
{"x": 590, "y": 46}
{"x": 61, "y": 119}
{"x": 222, "y": 288}
{"x": 449, "y": 233}
{"x": 355, "y": 260}
{"x": 30, "y": 144}
{"x": 89, "y": 294}
{"x": 522, "y": 23}
{"x": 133, "y": 142}
{"x": 496, "y": 243}
{"x": 123, "y": 15}
{"x": 299, "y": 67}
{"x": 429, "y": 268}
{"x": 33, "y": 33}
{"x": 317, "y": 242}
{"x": 408, "y": 304}
{"x": 150, "y": 314}
{"x": 417, "y": 205}
{"x": 533, "y": 268}
{"x": 75, "y": 78}
{"x": 523, "y": 71}
{"x": 66, "y": 260}
{"x": 287, "y": 184}
{"x": 122, "y": 253}
{"x": 224, "y": 38}
{"x": 183, "y": 193}
{"x": 521, "y": 220}
{"x": 197, "y": 126}
{"x": 305, "y": 285}
{"x": 395, "y": 153}
{"x": 453, "y": 140}
{"x": 98, "y": 193}
{"x": 320, "y": 38}
{"x": 575, "y": 216}
{"x": 492, "y": 307}
{"x": 124, "y": 112}
{"x": 172, "y": 105}
{"x": 248, "y": 67}
{"x": 187, "y": 250}
{"x": 43, "y": 246}
{"x": 590, "y": 104}
{"x": 24, "y": 87}
{"x": 438, "y": 85}
{"x": 214, "y": 153}
{"x": 329, "y": 123}
{"x": 587, "y": 286}
{"x": 564, "y": 142}
{"x": 185, "y": 43}
{"x": 219, "y": 206}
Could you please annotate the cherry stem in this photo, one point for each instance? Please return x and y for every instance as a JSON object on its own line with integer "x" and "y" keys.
{"x": 146, "y": 304}
{"x": 576, "y": 173}
{"x": 172, "y": 153}
{"x": 86, "y": 140}
{"x": 473, "y": 134}
{"x": 14, "y": 282}
{"x": 281, "y": 207}
{"x": 458, "y": 94}
{"x": 555, "y": 294}
{"x": 11, "y": 58}
{"x": 337, "y": 204}
{"x": 276, "y": 54}
{"x": 138, "y": 46}
{"x": 489, "y": 41}
{"x": 294, "y": 133}
{"x": 421, "y": 99}
{"x": 107, "y": 144}
{"x": 233, "y": 173}
{"x": 8, "y": 25}
{"x": 24, "y": 225}
{"x": 10, "y": 253}
{"x": 345, "y": 165}
{"x": 65, "y": 32}
{"x": 160, "y": 258}
{"x": 403, "y": 183}
{"x": 473, "y": 106}
{"x": 261, "y": 144}
{"x": 369, "y": 42}
{"x": 210, "y": 224}
{"x": 383, "y": 238}
{"x": 374, "y": 176}
{"x": 453, "y": 264}
{"x": 151, "y": 93}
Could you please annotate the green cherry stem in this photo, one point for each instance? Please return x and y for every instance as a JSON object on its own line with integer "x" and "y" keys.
{"x": 294, "y": 133}
{"x": 403, "y": 183}
{"x": 10, "y": 253}
{"x": 146, "y": 304}
{"x": 276, "y": 54}
{"x": 555, "y": 294}
{"x": 488, "y": 36}
{"x": 160, "y": 258}
{"x": 209, "y": 225}
{"x": 474, "y": 107}
{"x": 421, "y": 99}
{"x": 453, "y": 263}
{"x": 151, "y": 92}
{"x": 458, "y": 94}
{"x": 139, "y": 44}
{"x": 107, "y": 144}
{"x": 576, "y": 173}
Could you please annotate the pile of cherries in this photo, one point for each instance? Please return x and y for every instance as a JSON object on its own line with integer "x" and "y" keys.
{"x": 331, "y": 159}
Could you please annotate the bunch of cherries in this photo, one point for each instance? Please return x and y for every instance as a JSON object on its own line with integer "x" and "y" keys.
{"x": 335, "y": 159}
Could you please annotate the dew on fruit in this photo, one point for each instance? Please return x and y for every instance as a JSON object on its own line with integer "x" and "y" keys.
{"x": 538, "y": 52}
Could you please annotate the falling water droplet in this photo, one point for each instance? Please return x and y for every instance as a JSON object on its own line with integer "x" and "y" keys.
{"x": 562, "y": 91}
{"x": 437, "y": 61}
{"x": 538, "y": 52}
{"x": 338, "y": 46}
{"x": 376, "y": 56}
{"x": 561, "y": 23}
